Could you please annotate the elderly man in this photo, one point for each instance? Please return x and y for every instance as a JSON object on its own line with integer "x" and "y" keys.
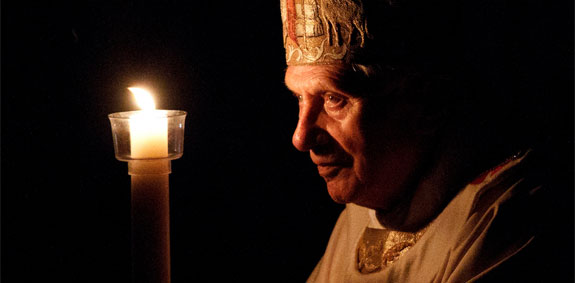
{"x": 401, "y": 134}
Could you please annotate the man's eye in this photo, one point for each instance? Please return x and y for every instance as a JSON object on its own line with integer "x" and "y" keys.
{"x": 334, "y": 101}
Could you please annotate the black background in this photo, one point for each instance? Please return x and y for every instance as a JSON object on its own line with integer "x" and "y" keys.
{"x": 244, "y": 203}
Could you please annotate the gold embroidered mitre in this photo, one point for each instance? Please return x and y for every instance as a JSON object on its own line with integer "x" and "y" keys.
{"x": 391, "y": 32}
{"x": 322, "y": 31}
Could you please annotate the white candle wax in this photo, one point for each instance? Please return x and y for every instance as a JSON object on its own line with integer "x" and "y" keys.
{"x": 148, "y": 128}
{"x": 149, "y": 135}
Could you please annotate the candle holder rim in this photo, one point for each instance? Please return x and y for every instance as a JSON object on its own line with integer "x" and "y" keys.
{"x": 172, "y": 156}
{"x": 129, "y": 114}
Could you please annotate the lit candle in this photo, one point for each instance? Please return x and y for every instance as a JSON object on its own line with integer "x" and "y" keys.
{"x": 148, "y": 129}
{"x": 148, "y": 140}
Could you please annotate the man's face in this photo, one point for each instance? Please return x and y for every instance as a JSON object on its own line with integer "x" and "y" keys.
{"x": 364, "y": 145}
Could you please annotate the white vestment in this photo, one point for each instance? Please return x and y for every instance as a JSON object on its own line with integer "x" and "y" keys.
{"x": 485, "y": 224}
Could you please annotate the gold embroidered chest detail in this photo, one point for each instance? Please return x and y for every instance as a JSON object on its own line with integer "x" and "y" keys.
{"x": 379, "y": 248}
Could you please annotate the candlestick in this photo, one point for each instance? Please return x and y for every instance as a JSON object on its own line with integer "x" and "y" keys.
{"x": 148, "y": 140}
{"x": 150, "y": 220}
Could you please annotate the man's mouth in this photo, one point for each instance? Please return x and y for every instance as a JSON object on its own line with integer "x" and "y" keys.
{"x": 330, "y": 170}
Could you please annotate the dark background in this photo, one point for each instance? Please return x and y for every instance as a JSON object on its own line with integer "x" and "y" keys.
{"x": 244, "y": 203}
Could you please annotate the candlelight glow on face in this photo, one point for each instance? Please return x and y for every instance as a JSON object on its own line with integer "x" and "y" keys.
{"x": 148, "y": 129}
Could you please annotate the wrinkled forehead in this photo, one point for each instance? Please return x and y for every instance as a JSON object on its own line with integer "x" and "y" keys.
{"x": 310, "y": 80}
{"x": 353, "y": 80}
{"x": 336, "y": 77}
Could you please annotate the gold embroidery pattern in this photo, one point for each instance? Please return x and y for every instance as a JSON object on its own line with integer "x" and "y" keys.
{"x": 322, "y": 31}
{"x": 378, "y": 248}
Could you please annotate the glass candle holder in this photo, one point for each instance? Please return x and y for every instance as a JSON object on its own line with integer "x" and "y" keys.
{"x": 148, "y": 134}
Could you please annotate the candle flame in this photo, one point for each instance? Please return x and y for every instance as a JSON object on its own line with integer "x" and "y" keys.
{"x": 144, "y": 98}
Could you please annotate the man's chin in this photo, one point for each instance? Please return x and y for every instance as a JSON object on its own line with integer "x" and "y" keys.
{"x": 341, "y": 191}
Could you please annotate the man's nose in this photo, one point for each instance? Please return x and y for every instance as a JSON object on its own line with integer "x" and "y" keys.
{"x": 308, "y": 132}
